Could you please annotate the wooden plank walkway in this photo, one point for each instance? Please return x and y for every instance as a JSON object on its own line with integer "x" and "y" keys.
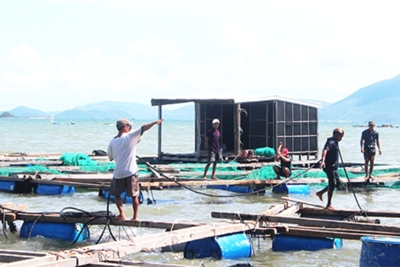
{"x": 281, "y": 218}
{"x": 116, "y": 250}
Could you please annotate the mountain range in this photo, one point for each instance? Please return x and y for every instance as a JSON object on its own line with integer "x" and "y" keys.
{"x": 379, "y": 102}
{"x": 107, "y": 110}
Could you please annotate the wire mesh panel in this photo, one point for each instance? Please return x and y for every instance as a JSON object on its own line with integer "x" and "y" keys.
{"x": 296, "y": 127}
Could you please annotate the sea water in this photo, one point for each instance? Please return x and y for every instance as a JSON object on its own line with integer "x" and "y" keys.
{"x": 180, "y": 205}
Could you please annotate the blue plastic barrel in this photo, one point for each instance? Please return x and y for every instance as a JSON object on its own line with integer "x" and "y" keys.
{"x": 49, "y": 189}
{"x": 289, "y": 242}
{"x": 65, "y": 231}
{"x": 7, "y": 186}
{"x": 223, "y": 247}
{"x": 217, "y": 186}
{"x": 237, "y": 189}
{"x": 380, "y": 251}
{"x": 125, "y": 198}
{"x": 292, "y": 189}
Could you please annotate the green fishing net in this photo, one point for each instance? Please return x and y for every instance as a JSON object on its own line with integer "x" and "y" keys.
{"x": 265, "y": 151}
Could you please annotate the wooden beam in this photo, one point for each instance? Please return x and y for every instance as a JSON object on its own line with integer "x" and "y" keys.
{"x": 137, "y": 263}
{"x": 11, "y": 258}
{"x": 306, "y": 221}
{"x": 14, "y": 207}
{"x": 291, "y": 210}
{"x": 303, "y": 202}
{"x": 349, "y": 213}
{"x": 56, "y": 218}
{"x": 275, "y": 209}
{"x": 334, "y": 233}
{"x": 39, "y": 261}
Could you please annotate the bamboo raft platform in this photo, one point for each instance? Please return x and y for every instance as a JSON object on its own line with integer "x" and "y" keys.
{"x": 174, "y": 178}
{"x": 103, "y": 181}
{"x": 284, "y": 218}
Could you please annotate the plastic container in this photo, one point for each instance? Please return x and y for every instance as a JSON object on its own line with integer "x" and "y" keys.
{"x": 237, "y": 189}
{"x": 48, "y": 189}
{"x": 125, "y": 198}
{"x": 289, "y": 243}
{"x": 222, "y": 247}
{"x": 380, "y": 251}
{"x": 65, "y": 231}
{"x": 292, "y": 189}
{"x": 7, "y": 186}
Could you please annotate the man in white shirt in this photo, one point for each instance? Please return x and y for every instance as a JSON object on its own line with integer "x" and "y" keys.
{"x": 122, "y": 149}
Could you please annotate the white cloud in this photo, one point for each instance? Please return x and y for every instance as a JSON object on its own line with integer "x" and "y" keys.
{"x": 138, "y": 51}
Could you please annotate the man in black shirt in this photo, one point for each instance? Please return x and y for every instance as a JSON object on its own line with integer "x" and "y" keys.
{"x": 329, "y": 163}
{"x": 369, "y": 141}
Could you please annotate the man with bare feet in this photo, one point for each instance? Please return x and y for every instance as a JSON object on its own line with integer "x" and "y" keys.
{"x": 122, "y": 149}
{"x": 369, "y": 141}
{"x": 213, "y": 146}
{"x": 329, "y": 163}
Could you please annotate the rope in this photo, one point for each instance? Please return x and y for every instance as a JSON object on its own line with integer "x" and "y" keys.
{"x": 351, "y": 186}
{"x": 212, "y": 195}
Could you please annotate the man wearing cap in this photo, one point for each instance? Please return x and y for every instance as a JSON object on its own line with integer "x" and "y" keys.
{"x": 213, "y": 146}
{"x": 282, "y": 155}
{"x": 369, "y": 141}
{"x": 330, "y": 164}
{"x": 122, "y": 149}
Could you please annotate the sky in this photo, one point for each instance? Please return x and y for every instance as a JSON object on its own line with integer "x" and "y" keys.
{"x": 57, "y": 55}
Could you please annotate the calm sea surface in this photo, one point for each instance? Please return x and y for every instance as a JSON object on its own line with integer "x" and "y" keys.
{"x": 39, "y": 136}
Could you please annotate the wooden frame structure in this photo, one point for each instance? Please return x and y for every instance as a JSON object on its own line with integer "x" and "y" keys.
{"x": 253, "y": 123}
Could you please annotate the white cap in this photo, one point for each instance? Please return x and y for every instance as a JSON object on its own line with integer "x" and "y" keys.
{"x": 215, "y": 121}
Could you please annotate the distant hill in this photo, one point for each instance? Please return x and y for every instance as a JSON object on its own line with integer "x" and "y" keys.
{"x": 6, "y": 114}
{"x": 115, "y": 110}
{"x": 379, "y": 102}
{"x": 23, "y": 111}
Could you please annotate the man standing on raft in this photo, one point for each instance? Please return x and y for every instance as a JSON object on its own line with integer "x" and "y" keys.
{"x": 329, "y": 164}
{"x": 213, "y": 146}
{"x": 122, "y": 149}
{"x": 369, "y": 141}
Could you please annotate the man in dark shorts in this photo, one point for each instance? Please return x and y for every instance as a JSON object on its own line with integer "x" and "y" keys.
{"x": 213, "y": 146}
{"x": 369, "y": 141}
{"x": 330, "y": 163}
{"x": 122, "y": 149}
{"x": 282, "y": 155}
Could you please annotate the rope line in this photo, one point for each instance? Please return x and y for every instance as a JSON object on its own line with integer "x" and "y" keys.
{"x": 232, "y": 195}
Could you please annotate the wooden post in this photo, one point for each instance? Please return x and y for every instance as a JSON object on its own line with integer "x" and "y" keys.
{"x": 197, "y": 138}
{"x": 159, "y": 131}
{"x": 237, "y": 125}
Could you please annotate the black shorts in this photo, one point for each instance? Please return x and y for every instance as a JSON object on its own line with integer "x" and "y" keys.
{"x": 129, "y": 184}
{"x": 333, "y": 178}
{"x": 214, "y": 156}
{"x": 369, "y": 153}
{"x": 281, "y": 173}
